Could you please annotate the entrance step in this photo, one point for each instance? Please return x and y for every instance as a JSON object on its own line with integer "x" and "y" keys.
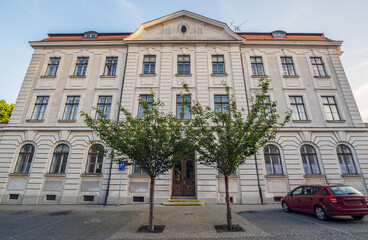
{"x": 183, "y": 201}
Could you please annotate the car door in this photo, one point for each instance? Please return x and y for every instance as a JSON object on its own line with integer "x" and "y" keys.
{"x": 295, "y": 201}
{"x": 309, "y": 197}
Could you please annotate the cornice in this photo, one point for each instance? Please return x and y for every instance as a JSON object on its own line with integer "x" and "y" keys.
{"x": 36, "y": 44}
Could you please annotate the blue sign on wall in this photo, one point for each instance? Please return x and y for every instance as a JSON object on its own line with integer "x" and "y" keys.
{"x": 122, "y": 166}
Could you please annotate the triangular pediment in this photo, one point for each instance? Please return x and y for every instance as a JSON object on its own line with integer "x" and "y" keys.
{"x": 184, "y": 26}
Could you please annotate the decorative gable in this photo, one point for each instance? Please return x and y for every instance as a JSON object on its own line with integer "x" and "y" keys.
{"x": 184, "y": 26}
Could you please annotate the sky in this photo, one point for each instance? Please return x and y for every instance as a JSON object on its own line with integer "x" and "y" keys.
{"x": 30, "y": 20}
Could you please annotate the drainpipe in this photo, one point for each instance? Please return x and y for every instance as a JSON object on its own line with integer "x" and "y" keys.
{"x": 117, "y": 120}
{"x": 255, "y": 156}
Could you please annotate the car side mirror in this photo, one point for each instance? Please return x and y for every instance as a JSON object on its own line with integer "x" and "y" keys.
{"x": 290, "y": 194}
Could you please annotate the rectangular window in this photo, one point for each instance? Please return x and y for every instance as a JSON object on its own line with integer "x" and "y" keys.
{"x": 71, "y": 108}
{"x": 183, "y": 64}
{"x": 330, "y": 107}
{"x": 265, "y": 101}
{"x": 81, "y": 66}
{"x": 298, "y": 108}
{"x": 288, "y": 66}
{"x": 50, "y": 197}
{"x": 40, "y": 108}
{"x": 138, "y": 170}
{"x": 104, "y": 105}
{"x": 141, "y": 110}
{"x": 88, "y": 198}
{"x": 149, "y": 64}
{"x": 318, "y": 68}
{"x": 221, "y": 103}
{"x": 218, "y": 64}
{"x": 179, "y": 107}
{"x": 53, "y": 66}
{"x": 13, "y": 196}
{"x": 110, "y": 66}
{"x": 257, "y": 66}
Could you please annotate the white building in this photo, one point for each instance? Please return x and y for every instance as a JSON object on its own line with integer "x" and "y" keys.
{"x": 45, "y": 148}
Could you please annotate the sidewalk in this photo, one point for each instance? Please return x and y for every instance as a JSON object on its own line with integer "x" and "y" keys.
{"x": 189, "y": 222}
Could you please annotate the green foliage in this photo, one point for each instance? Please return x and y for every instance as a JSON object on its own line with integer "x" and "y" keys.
{"x": 5, "y": 110}
{"x": 153, "y": 141}
{"x": 225, "y": 139}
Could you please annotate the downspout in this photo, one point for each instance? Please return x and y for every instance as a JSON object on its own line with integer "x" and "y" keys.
{"x": 117, "y": 120}
{"x": 255, "y": 156}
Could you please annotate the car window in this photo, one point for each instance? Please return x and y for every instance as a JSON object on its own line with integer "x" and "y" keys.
{"x": 308, "y": 190}
{"x": 316, "y": 189}
{"x": 344, "y": 190}
{"x": 298, "y": 191}
{"x": 324, "y": 192}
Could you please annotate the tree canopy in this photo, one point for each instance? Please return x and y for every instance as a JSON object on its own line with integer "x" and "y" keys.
{"x": 5, "y": 110}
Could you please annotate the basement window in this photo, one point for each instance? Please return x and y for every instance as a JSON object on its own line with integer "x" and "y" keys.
{"x": 50, "y": 197}
{"x": 277, "y": 199}
{"x": 13, "y": 196}
{"x": 88, "y": 198}
{"x": 138, "y": 199}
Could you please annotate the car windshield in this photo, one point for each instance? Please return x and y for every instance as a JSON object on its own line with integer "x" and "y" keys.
{"x": 344, "y": 190}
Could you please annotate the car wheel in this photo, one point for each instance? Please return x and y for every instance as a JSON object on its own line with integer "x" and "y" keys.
{"x": 358, "y": 217}
{"x": 321, "y": 213}
{"x": 285, "y": 207}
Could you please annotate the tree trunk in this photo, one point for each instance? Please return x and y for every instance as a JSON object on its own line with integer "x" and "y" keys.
{"x": 151, "y": 207}
{"x": 229, "y": 218}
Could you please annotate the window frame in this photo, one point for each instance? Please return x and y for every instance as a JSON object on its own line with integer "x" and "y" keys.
{"x": 342, "y": 157}
{"x": 180, "y": 102}
{"x": 73, "y": 104}
{"x": 217, "y": 64}
{"x": 104, "y": 105}
{"x": 328, "y": 104}
{"x": 113, "y": 65}
{"x": 139, "y": 169}
{"x": 257, "y": 64}
{"x": 142, "y": 96}
{"x": 316, "y": 65}
{"x": 184, "y": 64}
{"x": 62, "y": 157}
{"x": 43, "y": 106}
{"x": 287, "y": 65}
{"x": 52, "y": 68}
{"x": 83, "y": 65}
{"x": 296, "y": 104}
{"x": 222, "y": 104}
{"x": 97, "y": 159}
{"x": 26, "y": 158}
{"x": 150, "y": 64}
{"x": 270, "y": 155}
{"x": 306, "y": 159}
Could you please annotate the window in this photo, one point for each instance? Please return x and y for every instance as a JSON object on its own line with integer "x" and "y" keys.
{"x": 218, "y": 65}
{"x": 279, "y": 34}
{"x": 53, "y": 66}
{"x": 60, "y": 159}
{"x": 257, "y": 66}
{"x": 141, "y": 110}
{"x": 221, "y": 103}
{"x": 183, "y": 64}
{"x": 149, "y": 64}
{"x": 110, "y": 66}
{"x": 318, "y": 68}
{"x": 265, "y": 101}
{"x": 95, "y": 159}
{"x": 183, "y": 29}
{"x": 297, "y": 106}
{"x": 298, "y": 191}
{"x": 179, "y": 107}
{"x": 288, "y": 66}
{"x": 138, "y": 169}
{"x": 273, "y": 160}
{"x": 81, "y": 66}
{"x": 25, "y": 159}
{"x": 104, "y": 105}
{"x": 90, "y": 34}
{"x": 71, "y": 108}
{"x": 330, "y": 107}
{"x": 310, "y": 161}
{"x": 40, "y": 108}
{"x": 346, "y": 160}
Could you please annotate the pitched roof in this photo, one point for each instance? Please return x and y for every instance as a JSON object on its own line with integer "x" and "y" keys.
{"x": 80, "y": 37}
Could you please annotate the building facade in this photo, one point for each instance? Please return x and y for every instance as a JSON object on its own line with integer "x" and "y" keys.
{"x": 46, "y": 149}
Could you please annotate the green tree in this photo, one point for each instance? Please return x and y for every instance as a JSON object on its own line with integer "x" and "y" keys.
{"x": 5, "y": 110}
{"x": 225, "y": 138}
{"x": 154, "y": 140}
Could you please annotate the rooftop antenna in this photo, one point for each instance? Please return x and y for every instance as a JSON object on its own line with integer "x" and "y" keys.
{"x": 236, "y": 28}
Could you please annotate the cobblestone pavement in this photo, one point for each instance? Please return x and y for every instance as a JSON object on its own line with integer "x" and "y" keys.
{"x": 111, "y": 222}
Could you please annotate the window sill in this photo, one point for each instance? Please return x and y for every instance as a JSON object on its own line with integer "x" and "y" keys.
{"x": 291, "y": 76}
{"x": 183, "y": 75}
{"x": 67, "y": 121}
{"x": 139, "y": 176}
{"x": 336, "y": 121}
{"x": 46, "y": 76}
{"x": 19, "y": 175}
{"x": 55, "y": 175}
{"x": 77, "y": 76}
{"x": 302, "y": 121}
{"x": 232, "y": 176}
{"x": 350, "y": 175}
{"x": 148, "y": 75}
{"x": 107, "y": 76}
{"x": 260, "y": 76}
{"x": 322, "y": 77}
{"x": 313, "y": 176}
{"x": 279, "y": 176}
{"x": 35, "y": 121}
{"x": 91, "y": 175}
{"x": 219, "y": 75}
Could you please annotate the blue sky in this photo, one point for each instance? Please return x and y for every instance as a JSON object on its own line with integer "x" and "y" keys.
{"x": 28, "y": 20}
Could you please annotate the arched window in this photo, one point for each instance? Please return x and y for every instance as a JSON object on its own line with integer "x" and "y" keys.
{"x": 60, "y": 159}
{"x": 95, "y": 159}
{"x": 310, "y": 160}
{"x": 346, "y": 159}
{"x": 25, "y": 159}
{"x": 273, "y": 160}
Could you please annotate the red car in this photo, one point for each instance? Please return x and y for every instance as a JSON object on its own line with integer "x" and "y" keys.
{"x": 326, "y": 201}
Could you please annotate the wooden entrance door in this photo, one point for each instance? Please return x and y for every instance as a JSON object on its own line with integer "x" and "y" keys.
{"x": 184, "y": 177}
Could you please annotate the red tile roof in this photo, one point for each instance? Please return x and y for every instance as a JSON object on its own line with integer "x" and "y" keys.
{"x": 246, "y": 35}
